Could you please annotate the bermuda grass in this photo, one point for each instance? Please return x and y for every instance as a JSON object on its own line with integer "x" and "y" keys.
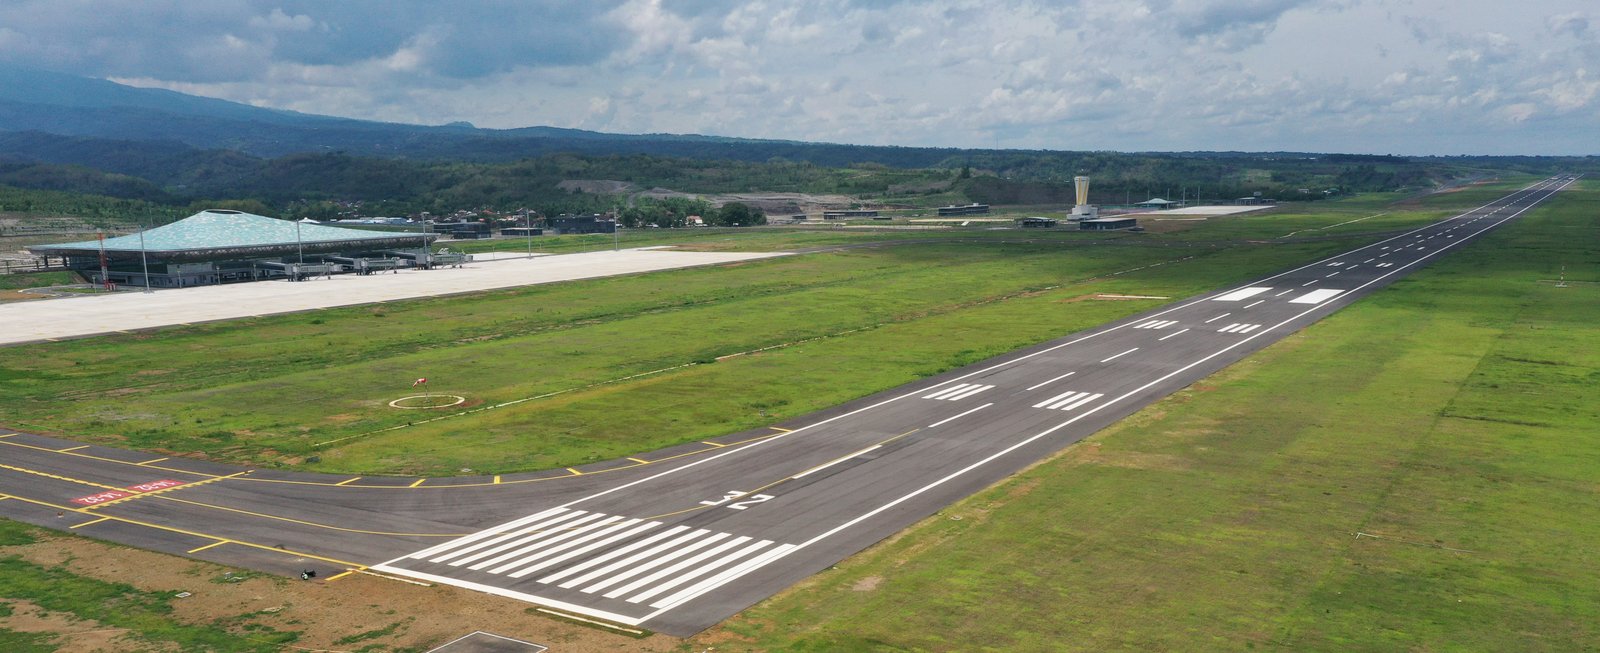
{"x": 1452, "y": 420}
{"x": 267, "y": 390}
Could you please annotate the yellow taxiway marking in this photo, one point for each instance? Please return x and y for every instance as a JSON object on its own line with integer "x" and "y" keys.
{"x": 780, "y": 428}
{"x": 496, "y": 479}
{"x": 81, "y": 446}
{"x": 349, "y": 480}
{"x": 153, "y": 493}
{"x": 152, "y": 461}
{"x": 58, "y": 477}
{"x": 202, "y": 548}
{"x": 420, "y": 481}
{"x": 242, "y": 476}
{"x": 89, "y": 523}
{"x": 309, "y": 523}
{"x": 337, "y": 576}
{"x": 6, "y": 435}
{"x": 181, "y": 531}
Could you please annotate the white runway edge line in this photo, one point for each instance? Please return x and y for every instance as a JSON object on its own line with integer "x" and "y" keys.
{"x": 1091, "y": 411}
{"x": 609, "y": 616}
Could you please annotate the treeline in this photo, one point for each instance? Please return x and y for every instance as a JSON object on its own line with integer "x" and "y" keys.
{"x": 677, "y": 212}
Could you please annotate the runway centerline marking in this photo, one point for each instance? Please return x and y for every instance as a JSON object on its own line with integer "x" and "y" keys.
{"x": 1063, "y": 376}
{"x": 952, "y": 419}
{"x": 1217, "y": 318}
{"x": 1172, "y": 335}
{"x": 1115, "y": 357}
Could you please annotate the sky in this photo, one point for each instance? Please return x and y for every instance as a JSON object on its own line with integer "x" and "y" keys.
{"x": 1410, "y": 77}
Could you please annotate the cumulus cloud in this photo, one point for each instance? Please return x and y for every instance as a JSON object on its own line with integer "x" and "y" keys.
{"x": 1340, "y": 75}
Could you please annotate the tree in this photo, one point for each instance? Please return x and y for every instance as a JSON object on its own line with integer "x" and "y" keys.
{"x": 739, "y": 214}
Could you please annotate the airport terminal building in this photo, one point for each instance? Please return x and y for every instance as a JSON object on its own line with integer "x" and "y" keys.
{"x": 222, "y": 246}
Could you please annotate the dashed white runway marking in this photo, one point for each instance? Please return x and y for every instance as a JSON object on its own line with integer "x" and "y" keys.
{"x": 952, "y": 419}
{"x": 1385, "y": 265}
{"x": 1239, "y": 328}
{"x": 1316, "y": 296}
{"x": 1063, "y": 376}
{"x": 1155, "y": 324}
{"x": 1241, "y": 294}
{"x": 1330, "y": 276}
{"x": 1251, "y": 304}
{"x": 1284, "y": 293}
{"x": 1170, "y": 335}
{"x": 1335, "y": 264}
{"x": 1120, "y": 355}
{"x": 1068, "y": 400}
{"x": 1218, "y": 318}
{"x": 1308, "y": 283}
{"x": 957, "y": 392}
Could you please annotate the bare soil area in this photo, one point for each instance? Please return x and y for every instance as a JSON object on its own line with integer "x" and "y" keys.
{"x": 324, "y": 612}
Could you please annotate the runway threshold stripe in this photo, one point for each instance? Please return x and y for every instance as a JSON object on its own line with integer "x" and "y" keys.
{"x": 527, "y": 566}
{"x": 557, "y": 521}
{"x": 602, "y": 559}
{"x": 553, "y": 544}
{"x": 696, "y": 545}
{"x": 704, "y": 569}
{"x": 591, "y": 576}
{"x": 1063, "y": 376}
{"x": 952, "y": 419}
{"x": 485, "y": 534}
{"x": 698, "y": 558}
{"x": 543, "y": 536}
{"x": 724, "y": 577}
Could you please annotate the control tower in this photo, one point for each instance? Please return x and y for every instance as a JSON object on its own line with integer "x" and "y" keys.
{"x": 1084, "y": 210}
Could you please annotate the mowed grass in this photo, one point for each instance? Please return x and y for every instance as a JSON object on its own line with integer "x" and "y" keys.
{"x": 1453, "y": 420}
{"x": 270, "y": 390}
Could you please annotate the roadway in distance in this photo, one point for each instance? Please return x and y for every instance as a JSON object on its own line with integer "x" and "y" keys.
{"x": 679, "y": 539}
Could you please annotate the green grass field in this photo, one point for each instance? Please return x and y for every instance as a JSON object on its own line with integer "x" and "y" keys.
{"x": 269, "y": 390}
{"x": 1451, "y": 420}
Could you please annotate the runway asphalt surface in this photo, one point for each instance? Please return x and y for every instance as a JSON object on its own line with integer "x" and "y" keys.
{"x": 680, "y": 539}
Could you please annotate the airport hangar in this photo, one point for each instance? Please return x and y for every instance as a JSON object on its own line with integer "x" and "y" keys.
{"x": 222, "y": 246}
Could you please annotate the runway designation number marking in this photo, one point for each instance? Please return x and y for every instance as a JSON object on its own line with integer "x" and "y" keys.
{"x": 739, "y": 505}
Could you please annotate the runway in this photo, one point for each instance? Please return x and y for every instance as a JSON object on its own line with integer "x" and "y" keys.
{"x": 677, "y": 540}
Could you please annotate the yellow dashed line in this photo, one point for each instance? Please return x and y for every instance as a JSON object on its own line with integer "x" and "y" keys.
{"x": 641, "y": 462}
{"x": 420, "y": 481}
{"x": 62, "y": 478}
{"x": 83, "y": 446}
{"x": 349, "y": 480}
{"x": 216, "y": 543}
{"x": 89, "y": 523}
{"x": 575, "y": 472}
{"x": 308, "y": 523}
{"x": 152, "y": 461}
{"x": 170, "y": 529}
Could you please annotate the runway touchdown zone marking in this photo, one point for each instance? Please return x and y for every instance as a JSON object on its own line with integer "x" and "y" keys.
{"x": 957, "y": 392}
{"x": 1237, "y": 327}
{"x": 1155, "y": 324}
{"x": 1069, "y": 400}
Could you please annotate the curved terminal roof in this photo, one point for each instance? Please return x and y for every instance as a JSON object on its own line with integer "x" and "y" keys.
{"x": 220, "y": 232}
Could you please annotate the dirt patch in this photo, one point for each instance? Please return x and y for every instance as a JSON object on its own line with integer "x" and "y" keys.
{"x": 1100, "y": 297}
{"x": 17, "y": 296}
{"x": 323, "y": 612}
{"x": 72, "y": 634}
{"x": 867, "y": 584}
{"x": 1091, "y": 453}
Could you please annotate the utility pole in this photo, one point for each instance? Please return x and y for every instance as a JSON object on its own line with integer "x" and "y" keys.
{"x": 143, "y": 260}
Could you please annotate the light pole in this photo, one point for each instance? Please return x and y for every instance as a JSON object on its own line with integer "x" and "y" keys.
{"x": 143, "y": 261}
{"x": 299, "y": 249}
{"x": 527, "y": 224}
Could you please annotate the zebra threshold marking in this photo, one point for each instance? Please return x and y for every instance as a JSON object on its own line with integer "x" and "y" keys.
{"x": 613, "y": 567}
